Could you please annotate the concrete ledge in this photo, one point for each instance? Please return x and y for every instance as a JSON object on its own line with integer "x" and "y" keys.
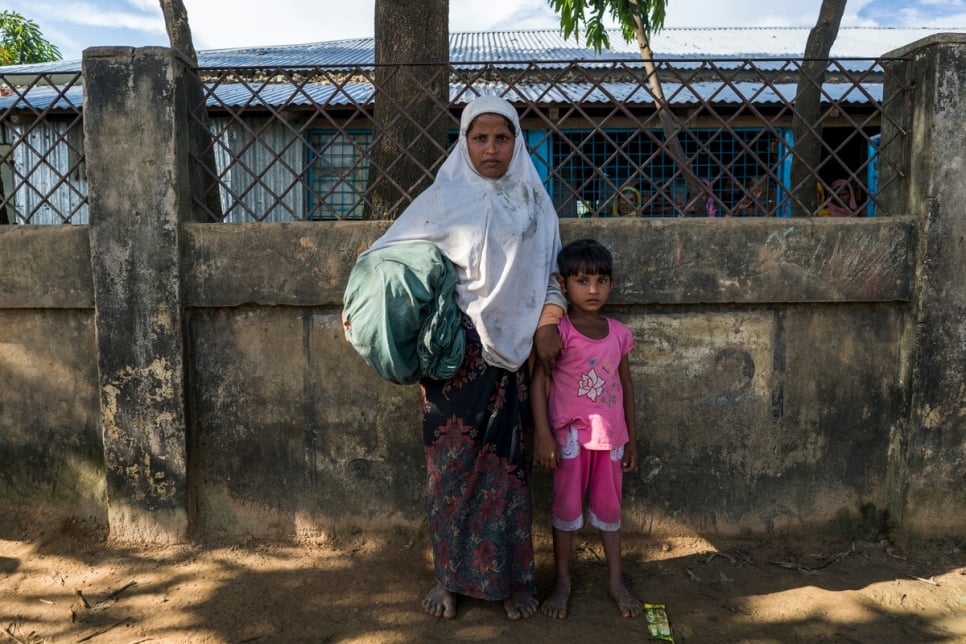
{"x": 46, "y": 267}
{"x": 659, "y": 261}
{"x": 673, "y": 261}
{"x": 297, "y": 264}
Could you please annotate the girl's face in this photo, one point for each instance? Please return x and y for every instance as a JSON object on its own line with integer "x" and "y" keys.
{"x": 490, "y": 143}
{"x": 587, "y": 292}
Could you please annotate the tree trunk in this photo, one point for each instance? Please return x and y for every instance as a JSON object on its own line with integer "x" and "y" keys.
{"x": 204, "y": 183}
{"x": 698, "y": 191}
{"x": 179, "y": 32}
{"x": 807, "y": 123}
{"x": 411, "y": 115}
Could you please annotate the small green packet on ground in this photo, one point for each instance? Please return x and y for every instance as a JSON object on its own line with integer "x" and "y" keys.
{"x": 657, "y": 624}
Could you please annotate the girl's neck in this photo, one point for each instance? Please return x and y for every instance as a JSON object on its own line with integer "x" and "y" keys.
{"x": 588, "y": 323}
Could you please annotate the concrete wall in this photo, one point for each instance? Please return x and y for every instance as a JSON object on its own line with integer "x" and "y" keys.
{"x": 167, "y": 377}
{"x": 930, "y": 451}
{"x": 51, "y": 455}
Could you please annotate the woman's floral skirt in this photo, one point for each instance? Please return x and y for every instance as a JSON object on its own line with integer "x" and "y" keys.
{"x": 477, "y": 437}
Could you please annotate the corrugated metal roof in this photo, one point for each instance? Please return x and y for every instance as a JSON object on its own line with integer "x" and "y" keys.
{"x": 350, "y": 94}
{"x": 721, "y": 42}
{"x": 726, "y": 46}
{"x": 549, "y": 45}
{"x": 41, "y": 97}
{"x": 237, "y": 95}
{"x": 332, "y": 53}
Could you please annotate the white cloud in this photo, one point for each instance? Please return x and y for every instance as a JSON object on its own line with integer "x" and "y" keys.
{"x": 501, "y": 15}
{"x": 90, "y": 15}
{"x": 243, "y": 23}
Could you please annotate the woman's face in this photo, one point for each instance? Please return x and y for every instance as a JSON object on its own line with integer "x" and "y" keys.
{"x": 627, "y": 204}
{"x": 490, "y": 143}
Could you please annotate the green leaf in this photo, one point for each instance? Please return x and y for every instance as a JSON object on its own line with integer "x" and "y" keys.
{"x": 22, "y": 42}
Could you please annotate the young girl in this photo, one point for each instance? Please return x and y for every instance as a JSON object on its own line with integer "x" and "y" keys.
{"x": 584, "y": 421}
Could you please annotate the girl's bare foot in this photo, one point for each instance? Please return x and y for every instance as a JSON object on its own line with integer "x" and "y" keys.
{"x": 520, "y": 605}
{"x": 440, "y": 602}
{"x": 556, "y": 604}
{"x": 629, "y": 605}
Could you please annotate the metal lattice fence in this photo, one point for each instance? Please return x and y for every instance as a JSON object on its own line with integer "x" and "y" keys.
{"x": 294, "y": 144}
{"x": 42, "y": 150}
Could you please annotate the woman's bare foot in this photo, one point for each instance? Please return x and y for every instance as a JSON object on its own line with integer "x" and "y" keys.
{"x": 520, "y": 605}
{"x": 556, "y": 604}
{"x": 629, "y": 605}
{"x": 440, "y": 602}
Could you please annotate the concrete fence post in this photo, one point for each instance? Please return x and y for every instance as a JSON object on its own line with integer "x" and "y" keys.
{"x": 136, "y": 132}
{"x": 929, "y": 452}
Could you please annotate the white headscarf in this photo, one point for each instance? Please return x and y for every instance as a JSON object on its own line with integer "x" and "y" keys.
{"x": 501, "y": 234}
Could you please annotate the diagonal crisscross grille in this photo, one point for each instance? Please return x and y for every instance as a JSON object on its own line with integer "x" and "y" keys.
{"x": 593, "y": 131}
{"x": 42, "y": 150}
{"x": 292, "y": 144}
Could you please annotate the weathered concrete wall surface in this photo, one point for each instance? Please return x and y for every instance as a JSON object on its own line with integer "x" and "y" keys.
{"x": 930, "y": 452}
{"x": 51, "y": 455}
{"x": 51, "y": 450}
{"x": 139, "y": 193}
{"x": 767, "y": 367}
{"x": 165, "y": 376}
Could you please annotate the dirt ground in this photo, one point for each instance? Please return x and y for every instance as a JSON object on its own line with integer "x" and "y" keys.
{"x": 366, "y": 587}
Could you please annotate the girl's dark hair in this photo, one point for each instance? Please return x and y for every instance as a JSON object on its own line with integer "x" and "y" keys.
{"x": 585, "y": 256}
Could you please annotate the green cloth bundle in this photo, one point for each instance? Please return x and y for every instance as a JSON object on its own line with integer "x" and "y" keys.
{"x": 401, "y": 315}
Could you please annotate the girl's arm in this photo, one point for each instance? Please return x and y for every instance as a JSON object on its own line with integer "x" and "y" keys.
{"x": 545, "y": 447}
{"x": 630, "y": 414}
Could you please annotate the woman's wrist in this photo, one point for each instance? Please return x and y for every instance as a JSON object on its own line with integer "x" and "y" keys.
{"x": 551, "y": 314}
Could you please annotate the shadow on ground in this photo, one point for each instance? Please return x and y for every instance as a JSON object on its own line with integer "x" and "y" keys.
{"x": 365, "y": 587}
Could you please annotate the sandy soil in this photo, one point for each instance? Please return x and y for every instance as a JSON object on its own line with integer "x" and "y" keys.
{"x": 366, "y": 587}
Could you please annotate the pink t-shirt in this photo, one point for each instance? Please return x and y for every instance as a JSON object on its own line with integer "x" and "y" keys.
{"x": 586, "y": 388}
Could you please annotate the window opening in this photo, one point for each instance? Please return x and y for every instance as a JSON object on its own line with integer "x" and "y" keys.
{"x": 338, "y": 173}
{"x": 742, "y": 167}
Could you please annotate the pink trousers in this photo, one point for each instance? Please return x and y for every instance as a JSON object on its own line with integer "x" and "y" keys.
{"x": 595, "y": 473}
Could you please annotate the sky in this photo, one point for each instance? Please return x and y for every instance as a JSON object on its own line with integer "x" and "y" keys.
{"x": 74, "y": 25}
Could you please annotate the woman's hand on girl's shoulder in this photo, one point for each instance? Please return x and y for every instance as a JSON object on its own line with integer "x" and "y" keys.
{"x": 547, "y": 344}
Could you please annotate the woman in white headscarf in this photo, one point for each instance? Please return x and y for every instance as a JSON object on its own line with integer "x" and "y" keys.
{"x": 488, "y": 213}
